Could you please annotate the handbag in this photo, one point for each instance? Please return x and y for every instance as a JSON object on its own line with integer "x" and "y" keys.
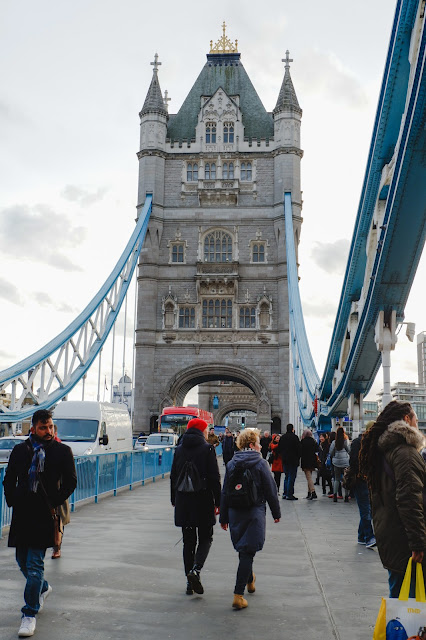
{"x": 328, "y": 462}
{"x": 349, "y": 479}
{"x": 270, "y": 457}
{"x": 58, "y": 529}
{"x": 403, "y": 618}
{"x": 317, "y": 462}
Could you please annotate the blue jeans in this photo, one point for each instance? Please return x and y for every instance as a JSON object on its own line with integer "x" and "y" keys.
{"x": 365, "y": 529}
{"x": 290, "y": 471}
{"x": 31, "y": 563}
{"x": 396, "y": 580}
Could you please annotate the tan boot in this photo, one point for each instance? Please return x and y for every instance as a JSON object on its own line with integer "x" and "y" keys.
{"x": 250, "y": 585}
{"x": 239, "y": 602}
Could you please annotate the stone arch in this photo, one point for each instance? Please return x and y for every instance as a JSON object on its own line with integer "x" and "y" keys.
{"x": 240, "y": 406}
{"x": 179, "y": 385}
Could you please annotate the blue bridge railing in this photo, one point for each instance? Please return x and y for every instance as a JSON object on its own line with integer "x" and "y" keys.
{"x": 105, "y": 473}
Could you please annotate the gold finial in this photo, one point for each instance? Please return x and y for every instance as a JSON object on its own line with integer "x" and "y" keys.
{"x": 224, "y": 44}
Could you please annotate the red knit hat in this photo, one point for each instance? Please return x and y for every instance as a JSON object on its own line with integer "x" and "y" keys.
{"x": 197, "y": 423}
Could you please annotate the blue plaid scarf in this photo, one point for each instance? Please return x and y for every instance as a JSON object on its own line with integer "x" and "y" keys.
{"x": 37, "y": 463}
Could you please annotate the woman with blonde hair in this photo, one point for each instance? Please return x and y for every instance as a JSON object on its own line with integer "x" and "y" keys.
{"x": 247, "y": 524}
{"x": 309, "y": 460}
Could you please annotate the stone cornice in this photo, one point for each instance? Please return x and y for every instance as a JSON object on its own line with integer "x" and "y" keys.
{"x": 285, "y": 150}
{"x": 152, "y": 152}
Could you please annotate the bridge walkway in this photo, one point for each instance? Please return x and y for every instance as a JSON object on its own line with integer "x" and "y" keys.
{"x": 121, "y": 577}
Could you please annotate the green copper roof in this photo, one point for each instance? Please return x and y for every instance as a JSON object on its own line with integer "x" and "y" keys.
{"x": 154, "y": 98}
{"x": 226, "y": 71}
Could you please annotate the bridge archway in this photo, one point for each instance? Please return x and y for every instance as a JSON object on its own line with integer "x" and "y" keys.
{"x": 184, "y": 380}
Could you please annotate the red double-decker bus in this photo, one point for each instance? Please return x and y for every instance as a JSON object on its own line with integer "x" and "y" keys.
{"x": 177, "y": 418}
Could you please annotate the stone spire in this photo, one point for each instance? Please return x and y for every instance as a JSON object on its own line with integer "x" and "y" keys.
{"x": 287, "y": 98}
{"x": 154, "y": 101}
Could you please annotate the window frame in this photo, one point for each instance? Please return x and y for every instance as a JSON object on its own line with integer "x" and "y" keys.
{"x": 218, "y": 246}
{"x": 217, "y": 312}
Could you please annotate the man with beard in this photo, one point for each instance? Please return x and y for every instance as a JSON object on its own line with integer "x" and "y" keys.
{"x": 40, "y": 476}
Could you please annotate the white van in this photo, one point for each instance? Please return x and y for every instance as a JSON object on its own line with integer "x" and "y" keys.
{"x": 93, "y": 427}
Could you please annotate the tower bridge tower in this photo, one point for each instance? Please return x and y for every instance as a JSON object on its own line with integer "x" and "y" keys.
{"x": 212, "y": 287}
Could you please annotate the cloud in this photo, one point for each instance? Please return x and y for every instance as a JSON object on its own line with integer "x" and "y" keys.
{"x": 9, "y": 292}
{"x": 43, "y": 299}
{"x": 40, "y": 234}
{"x": 323, "y": 309}
{"x": 83, "y": 197}
{"x": 324, "y": 73}
{"x": 331, "y": 256}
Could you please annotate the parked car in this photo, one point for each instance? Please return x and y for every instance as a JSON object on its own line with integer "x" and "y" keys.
{"x": 6, "y": 445}
{"x": 140, "y": 442}
{"x": 160, "y": 441}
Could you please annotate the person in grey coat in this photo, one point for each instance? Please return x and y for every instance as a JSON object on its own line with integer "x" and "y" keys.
{"x": 339, "y": 454}
{"x": 247, "y": 526}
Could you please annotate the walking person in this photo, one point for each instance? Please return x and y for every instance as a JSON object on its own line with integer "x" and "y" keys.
{"x": 248, "y": 525}
{"x": 277, "y": 463}
{"x": 265, "y": 441}
{"x": 395, "y": 471}
{"x": 325, "y": 472}
{"x": 360, "y": 489}
{"x": 308, "y": 460}
{"x": 196, "y": 512}
{"x": 40, "y": 476}
{"x": 289, "y": 448}
{"x": 64, "y": 512}
{"x": 227, "y": 446}
{"x": 339, "y": 454}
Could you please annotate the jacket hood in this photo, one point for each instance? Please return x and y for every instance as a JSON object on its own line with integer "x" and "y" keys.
{"x": 400, "y": 432}
{"x": 193, "y": 438}
{"x": 247, "y": 458}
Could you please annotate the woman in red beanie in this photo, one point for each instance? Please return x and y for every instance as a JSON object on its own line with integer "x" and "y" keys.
{"x": 195, "y": 511}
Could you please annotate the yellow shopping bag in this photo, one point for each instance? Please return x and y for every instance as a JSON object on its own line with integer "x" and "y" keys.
{"x": 403, "y": 618}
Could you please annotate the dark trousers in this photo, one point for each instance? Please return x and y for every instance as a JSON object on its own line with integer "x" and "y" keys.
{"x": 396, "y": 580}
{"x": 326, "y": 479}
{"x": 193, "y": 554}
{"x": 244, "y": 572}
{"x": 277, "y": 477}
{"x": 365, "y": 529}
{"x": 290, "y": 471}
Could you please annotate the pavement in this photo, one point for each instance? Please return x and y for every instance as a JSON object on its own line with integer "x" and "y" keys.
{"x": 121, "y": 576}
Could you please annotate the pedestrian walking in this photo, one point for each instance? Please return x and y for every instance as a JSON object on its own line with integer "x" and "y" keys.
{"x": 339, "y": 454}
{"x": 248, "y": 524}
{"x": 265, "y": 441}
{"x": 195, "y": 511}
{"x": 40, "y": 476}
{"x": 391, "y": 463}
{"x": 277, "y": 463}
{"x": 64, "y": 513}
{"x": 289, "y": 448}
{"x": 228, "y": 446}
{"x": 325, "y": 472}
{"x": 308, "y": 460}
{"x": 360, "y": 490}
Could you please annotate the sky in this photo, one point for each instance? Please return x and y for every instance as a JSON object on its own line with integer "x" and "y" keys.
{"x": 74, "y": 78}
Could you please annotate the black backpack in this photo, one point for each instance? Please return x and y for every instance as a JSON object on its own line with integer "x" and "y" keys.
{"x": 241, "y": 490}
{"x": 189, "y": 480}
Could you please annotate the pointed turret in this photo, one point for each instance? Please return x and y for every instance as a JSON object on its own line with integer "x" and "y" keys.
{"x": 287, "y": 98}
{"x": 154, "y": 102}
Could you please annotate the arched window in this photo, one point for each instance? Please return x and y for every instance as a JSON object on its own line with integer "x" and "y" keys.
{"x": 217, "y": 314}
{"x": 210, "y": 171}
{"x": 187, "y": 318}
{"x": 259, "y": 252}
{"x": 228, "y": 132}
{"x": 218, "y": 247}
{"x": 211, "y": 132}
{"x": 228, "y": 171}
{"x": 246, "y": 171}
{"x": 192, "y": 172}
{"x": 247, "y": 317}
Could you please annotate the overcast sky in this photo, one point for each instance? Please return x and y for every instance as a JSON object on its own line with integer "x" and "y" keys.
{"x": 74, "y": 78}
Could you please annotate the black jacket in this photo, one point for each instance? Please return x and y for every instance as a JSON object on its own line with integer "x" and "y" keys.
{"x": 265, "y": 441}
{"x": 195, "y": 510}
{"x": 290, "y": 449}
{"x": 32, "y": 524}
{"x": 309, "y": 449}
{"x": 228, "y": 448}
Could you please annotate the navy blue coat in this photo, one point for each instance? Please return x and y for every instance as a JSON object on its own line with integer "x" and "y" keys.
{"x": 247, "y": 526}
{"x": 195, "y": 509}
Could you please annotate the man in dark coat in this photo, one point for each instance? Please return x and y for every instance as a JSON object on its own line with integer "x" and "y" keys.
{"x": 290, "y": 449}
{"x": 40, "y": 476}
{"x": 228, "y": 446}
{"x": 196, "y": 512}
{"x": 265, "y": 441}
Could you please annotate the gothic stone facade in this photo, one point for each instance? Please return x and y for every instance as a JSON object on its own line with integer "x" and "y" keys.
{"x": 212, "y": 287}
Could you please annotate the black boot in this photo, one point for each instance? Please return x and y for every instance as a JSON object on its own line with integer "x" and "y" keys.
{"x": 308, "y": 497}
{"x": 334, "y": 498}
{"x": 313, "y": 496}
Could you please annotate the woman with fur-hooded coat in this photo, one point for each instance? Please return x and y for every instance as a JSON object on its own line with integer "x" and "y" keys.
{"x": 390, "y": 459}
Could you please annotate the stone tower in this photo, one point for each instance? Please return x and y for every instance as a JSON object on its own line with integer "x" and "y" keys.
{"x": 212, "y": 287}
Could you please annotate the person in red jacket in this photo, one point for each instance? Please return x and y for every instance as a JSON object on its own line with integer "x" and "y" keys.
{"x": 277, "y": 462}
